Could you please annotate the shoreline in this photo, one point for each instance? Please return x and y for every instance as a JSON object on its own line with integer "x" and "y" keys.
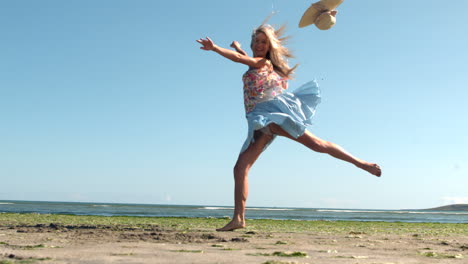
{"x": 37, "y": 238}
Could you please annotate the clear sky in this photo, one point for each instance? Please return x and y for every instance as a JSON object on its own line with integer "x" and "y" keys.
{"x": 113, "y": 101}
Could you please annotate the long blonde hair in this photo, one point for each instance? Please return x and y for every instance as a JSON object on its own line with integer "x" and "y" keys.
{"x": 278, "y": 54}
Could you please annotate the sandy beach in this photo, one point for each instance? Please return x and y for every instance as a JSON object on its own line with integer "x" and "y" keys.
{"x": 32, "y": 238}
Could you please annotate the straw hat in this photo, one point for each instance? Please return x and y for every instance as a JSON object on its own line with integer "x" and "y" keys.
{"x": 325, "y": 21}
{"x": 319, "y": 14}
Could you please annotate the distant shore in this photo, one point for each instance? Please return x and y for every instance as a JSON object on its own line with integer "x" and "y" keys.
{"x": 452, "y": 207}
{"x": 44, "y": 238}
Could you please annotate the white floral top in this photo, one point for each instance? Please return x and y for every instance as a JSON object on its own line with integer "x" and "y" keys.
{"x": 262, "y": 84}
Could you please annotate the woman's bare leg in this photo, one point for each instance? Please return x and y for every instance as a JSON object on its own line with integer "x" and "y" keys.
{"x": 241, "y": 186}
{"x": 319, "y": 145}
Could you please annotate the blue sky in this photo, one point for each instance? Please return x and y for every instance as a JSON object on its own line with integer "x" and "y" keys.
{"x": 113, "y": 101}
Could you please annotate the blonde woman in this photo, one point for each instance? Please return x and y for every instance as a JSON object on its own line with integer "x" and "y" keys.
{"x": 271, "y": 111}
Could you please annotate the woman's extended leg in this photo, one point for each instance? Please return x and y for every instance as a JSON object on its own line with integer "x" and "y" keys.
{"x": 241, "y": 186}
{"x": 319, "y": 145}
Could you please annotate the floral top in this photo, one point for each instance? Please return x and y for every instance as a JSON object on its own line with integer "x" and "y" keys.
{"x": 262, "y": 84}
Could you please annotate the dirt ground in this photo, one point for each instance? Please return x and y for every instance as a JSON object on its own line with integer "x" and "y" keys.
{"x": 104, "y": 244}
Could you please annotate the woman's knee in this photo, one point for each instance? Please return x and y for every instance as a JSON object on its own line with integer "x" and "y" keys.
{"x": 321, "y": 146}
{"x": 247, "y": 158}
{"x": 315, "y": 143}
{"x": 240, "y": 169}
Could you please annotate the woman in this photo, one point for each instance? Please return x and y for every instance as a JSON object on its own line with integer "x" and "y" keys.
{"x": 271, "y": 112}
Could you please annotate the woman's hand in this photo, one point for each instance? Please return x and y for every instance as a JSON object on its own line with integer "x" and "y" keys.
{"x": 207, "y": 44}
{"x": 236, "y": 45}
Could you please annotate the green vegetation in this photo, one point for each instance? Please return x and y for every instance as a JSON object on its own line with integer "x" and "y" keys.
{"x": 218, "y": 245}
{"x": 209, "y": 224}
{"x": 188, "y": 251}
{"x": 123, "y": 254}
{"x": 23, "y": 246}
{"x": 259, "y": 254}
{"x": 290, "y": 254}
{"x": 24, "y": 261}
{"x": 278, "y": 262}
{"x": 441, "y": 255}
{"x": 282, "y": 254}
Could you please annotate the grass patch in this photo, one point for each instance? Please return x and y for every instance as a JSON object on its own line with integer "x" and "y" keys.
{"x": 218, "y": 245}
{"x": 278, "y": 262}
{"x": 24, "y": 261}
{"x": 23, "y": 246}
{"x": 259, "y": 254}
{"x": 441, "y": 255}
{"x": 188, "y": 251}
{"x": 282, "y": 254}
{"x": 123, "y": 254}
{"x": 30, "y": 246}
{"x": 290, "y": 254}
{"x": 259, "y": 225}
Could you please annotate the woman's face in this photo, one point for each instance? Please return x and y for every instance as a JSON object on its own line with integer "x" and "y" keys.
{"x": 260, "y": 45}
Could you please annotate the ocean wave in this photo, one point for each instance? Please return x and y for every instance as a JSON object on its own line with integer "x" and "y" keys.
{"x": 6, "y": 203}
{"x": 269, "y": 209}
{"x": 216, "y": 208}
{"x": 349, "y": 211}
{"x": 101, "y": 205}
{"x": 248, "y": 208}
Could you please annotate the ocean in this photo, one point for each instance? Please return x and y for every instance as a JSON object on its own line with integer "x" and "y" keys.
{"x": 155, "y": 210}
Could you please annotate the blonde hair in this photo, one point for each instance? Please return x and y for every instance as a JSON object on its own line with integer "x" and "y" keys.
{"x": 278, "y": 54}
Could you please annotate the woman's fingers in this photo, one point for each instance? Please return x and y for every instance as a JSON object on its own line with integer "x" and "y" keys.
{"x": 202, "y": 42}
{"x": 207, "y": 43}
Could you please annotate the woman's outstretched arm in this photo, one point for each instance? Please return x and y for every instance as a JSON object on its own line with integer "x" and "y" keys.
{"x": 208, "y": 44}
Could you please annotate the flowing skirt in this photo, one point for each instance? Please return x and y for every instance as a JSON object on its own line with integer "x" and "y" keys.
{"x": 293, "y": 112}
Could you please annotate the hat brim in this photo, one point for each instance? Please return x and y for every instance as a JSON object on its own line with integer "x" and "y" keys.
{"x": 311, "y": 14}
{"x": 309, "y": 17}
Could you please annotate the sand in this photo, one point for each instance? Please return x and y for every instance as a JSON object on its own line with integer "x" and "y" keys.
{"x": 79, "y": 241}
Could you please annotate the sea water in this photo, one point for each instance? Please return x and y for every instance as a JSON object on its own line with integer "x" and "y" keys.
{"x": 155, "y": 210}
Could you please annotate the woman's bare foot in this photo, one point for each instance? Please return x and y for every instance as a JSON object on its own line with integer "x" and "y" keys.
{"x": 372, "y": 168}
{"x": 234, "y": 224}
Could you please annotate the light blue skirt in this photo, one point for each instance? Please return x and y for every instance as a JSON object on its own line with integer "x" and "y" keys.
{"x": 291, "y": 111}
